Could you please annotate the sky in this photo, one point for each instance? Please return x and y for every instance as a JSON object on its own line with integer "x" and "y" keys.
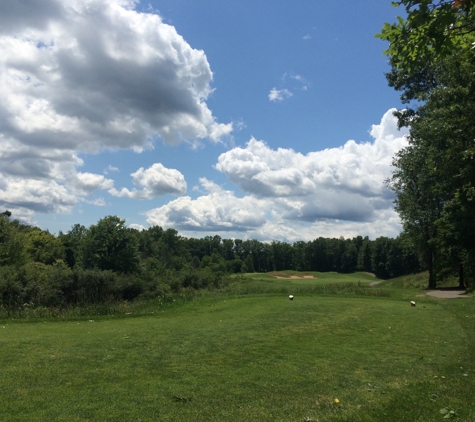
{"x": 268, "y": 120}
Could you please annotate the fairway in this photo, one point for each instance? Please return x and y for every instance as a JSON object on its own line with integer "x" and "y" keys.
{"x": 257, "y": 358}
{"x": 311, "y": 277}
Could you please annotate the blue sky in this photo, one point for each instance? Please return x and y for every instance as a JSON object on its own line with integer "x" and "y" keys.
{"x": 266, "y": 120}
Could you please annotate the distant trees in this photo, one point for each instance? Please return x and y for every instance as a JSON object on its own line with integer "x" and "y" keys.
{"x": 109, "y": 261}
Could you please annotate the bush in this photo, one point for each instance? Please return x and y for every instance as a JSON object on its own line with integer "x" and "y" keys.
{"x": 36, "y": 284}
{"x": 93, "y": 286}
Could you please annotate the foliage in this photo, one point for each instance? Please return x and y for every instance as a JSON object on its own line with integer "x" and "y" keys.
{"x": 432, "y": 30}
{"x": 12, "y": 244}
{"x": 72, "y": 242}
{"x": 433, "y": 62}
{"x": 108, "y": 262}
{"x": 109, "y": 245}
{"x": 435, "y": 175}
{"x": 44, "y": 247}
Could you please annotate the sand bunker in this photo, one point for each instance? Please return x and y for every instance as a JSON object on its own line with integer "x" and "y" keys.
{"x": 448, "y": 294}
{"x": 294, "y": 277}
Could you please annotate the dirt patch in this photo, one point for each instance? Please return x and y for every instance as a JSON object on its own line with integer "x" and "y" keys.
{"x": 295, "y": 277}
{"x": 374, "y": 283}
{"x": 448, "y": 294}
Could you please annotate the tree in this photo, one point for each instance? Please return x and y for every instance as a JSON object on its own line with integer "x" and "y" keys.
{"x": 364, "y": 258}
{"x": 349, "y": 258}
{"x": 417, "y": 202}
{"x": 432, "y": 31}
{"x": 109, "y": 245}
{"x": 433, "y": 62}
{"x": 12, "y": 243}
{"x": 172, "y": 249}
{"x": 445, "y": 129}
{"x": 72, "y": 242}
{"x": 44, "y": 247}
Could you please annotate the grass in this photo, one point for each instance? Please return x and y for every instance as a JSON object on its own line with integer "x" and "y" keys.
{"x": 312, "y": 282}
{"x": 284, "y": 277}
{"x": 247, "y": 358}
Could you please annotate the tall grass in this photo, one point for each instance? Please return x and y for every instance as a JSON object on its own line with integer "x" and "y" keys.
{"x": 410, "y": 281}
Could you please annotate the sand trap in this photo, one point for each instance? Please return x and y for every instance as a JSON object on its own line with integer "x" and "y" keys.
{"x": 295, "y": 277}
{"x": 448, "y": 294}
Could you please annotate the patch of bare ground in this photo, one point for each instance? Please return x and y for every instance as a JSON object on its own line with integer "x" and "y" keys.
{"x": 374, "y": 283}
{"x": 294, "y": 277}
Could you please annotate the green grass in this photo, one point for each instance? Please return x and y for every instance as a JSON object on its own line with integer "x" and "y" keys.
{"x": 410, "y": 281}
{"x": 311, "y": 282}
{"x": 284, "y": 277}
{"x": 248, "y": 358}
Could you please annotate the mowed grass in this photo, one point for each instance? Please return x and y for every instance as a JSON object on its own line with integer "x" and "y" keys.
{"x": 311, "y": 277}
{"x": 255, "y": 358}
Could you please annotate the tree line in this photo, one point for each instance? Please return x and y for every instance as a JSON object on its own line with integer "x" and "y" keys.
{"x": 432, "y": 58}
{"x": 109, "y": 261}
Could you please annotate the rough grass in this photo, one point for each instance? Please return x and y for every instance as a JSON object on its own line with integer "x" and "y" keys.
{"x": 410, "y": 281}
{"x": 254, "y": 358}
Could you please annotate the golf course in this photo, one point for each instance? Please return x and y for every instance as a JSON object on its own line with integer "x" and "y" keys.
{"x": 341, "y": 350}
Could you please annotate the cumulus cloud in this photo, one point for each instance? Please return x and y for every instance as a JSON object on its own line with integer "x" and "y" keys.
{"x": 35, "y": 195}
{"x": 84, "y": 75}
{"x": 292, "y": 196}
{"x": 156, "y": 180}
{"x": 86, "y": 183}
{"x": 96, "y": 74}
{"x": 353, "y": 169}
{"x": 217, "y": 210}
{"x": 279, "y": 94}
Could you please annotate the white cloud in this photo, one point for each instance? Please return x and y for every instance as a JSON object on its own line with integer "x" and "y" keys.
{"x": 87, "y": 75}
{"x": 98, "y": 202}
{"x": 291, "y": 196}
{"x": 279, "y": 94}
{"x": 110, "y": 168}
{"x": 218, "y": 210}
{"x": 138, "y": 227}
{"x": 97, "y": 74}
{"x": 303, "y": 81}
{"x": 353, "y": 169}
{"x": 86, "y": 183}
{"x": 35, "y": 195}
{"x": 156, "y": 180}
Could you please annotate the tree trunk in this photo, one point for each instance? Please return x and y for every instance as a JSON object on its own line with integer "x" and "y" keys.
{"x": 430, "y": 265}
{"x": 461, "y": 279}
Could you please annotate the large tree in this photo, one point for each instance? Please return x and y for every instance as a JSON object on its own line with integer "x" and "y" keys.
{"x": 433, "y": 62}
{"x": 418, "y": 203}
{"x": 109, "y": 245}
